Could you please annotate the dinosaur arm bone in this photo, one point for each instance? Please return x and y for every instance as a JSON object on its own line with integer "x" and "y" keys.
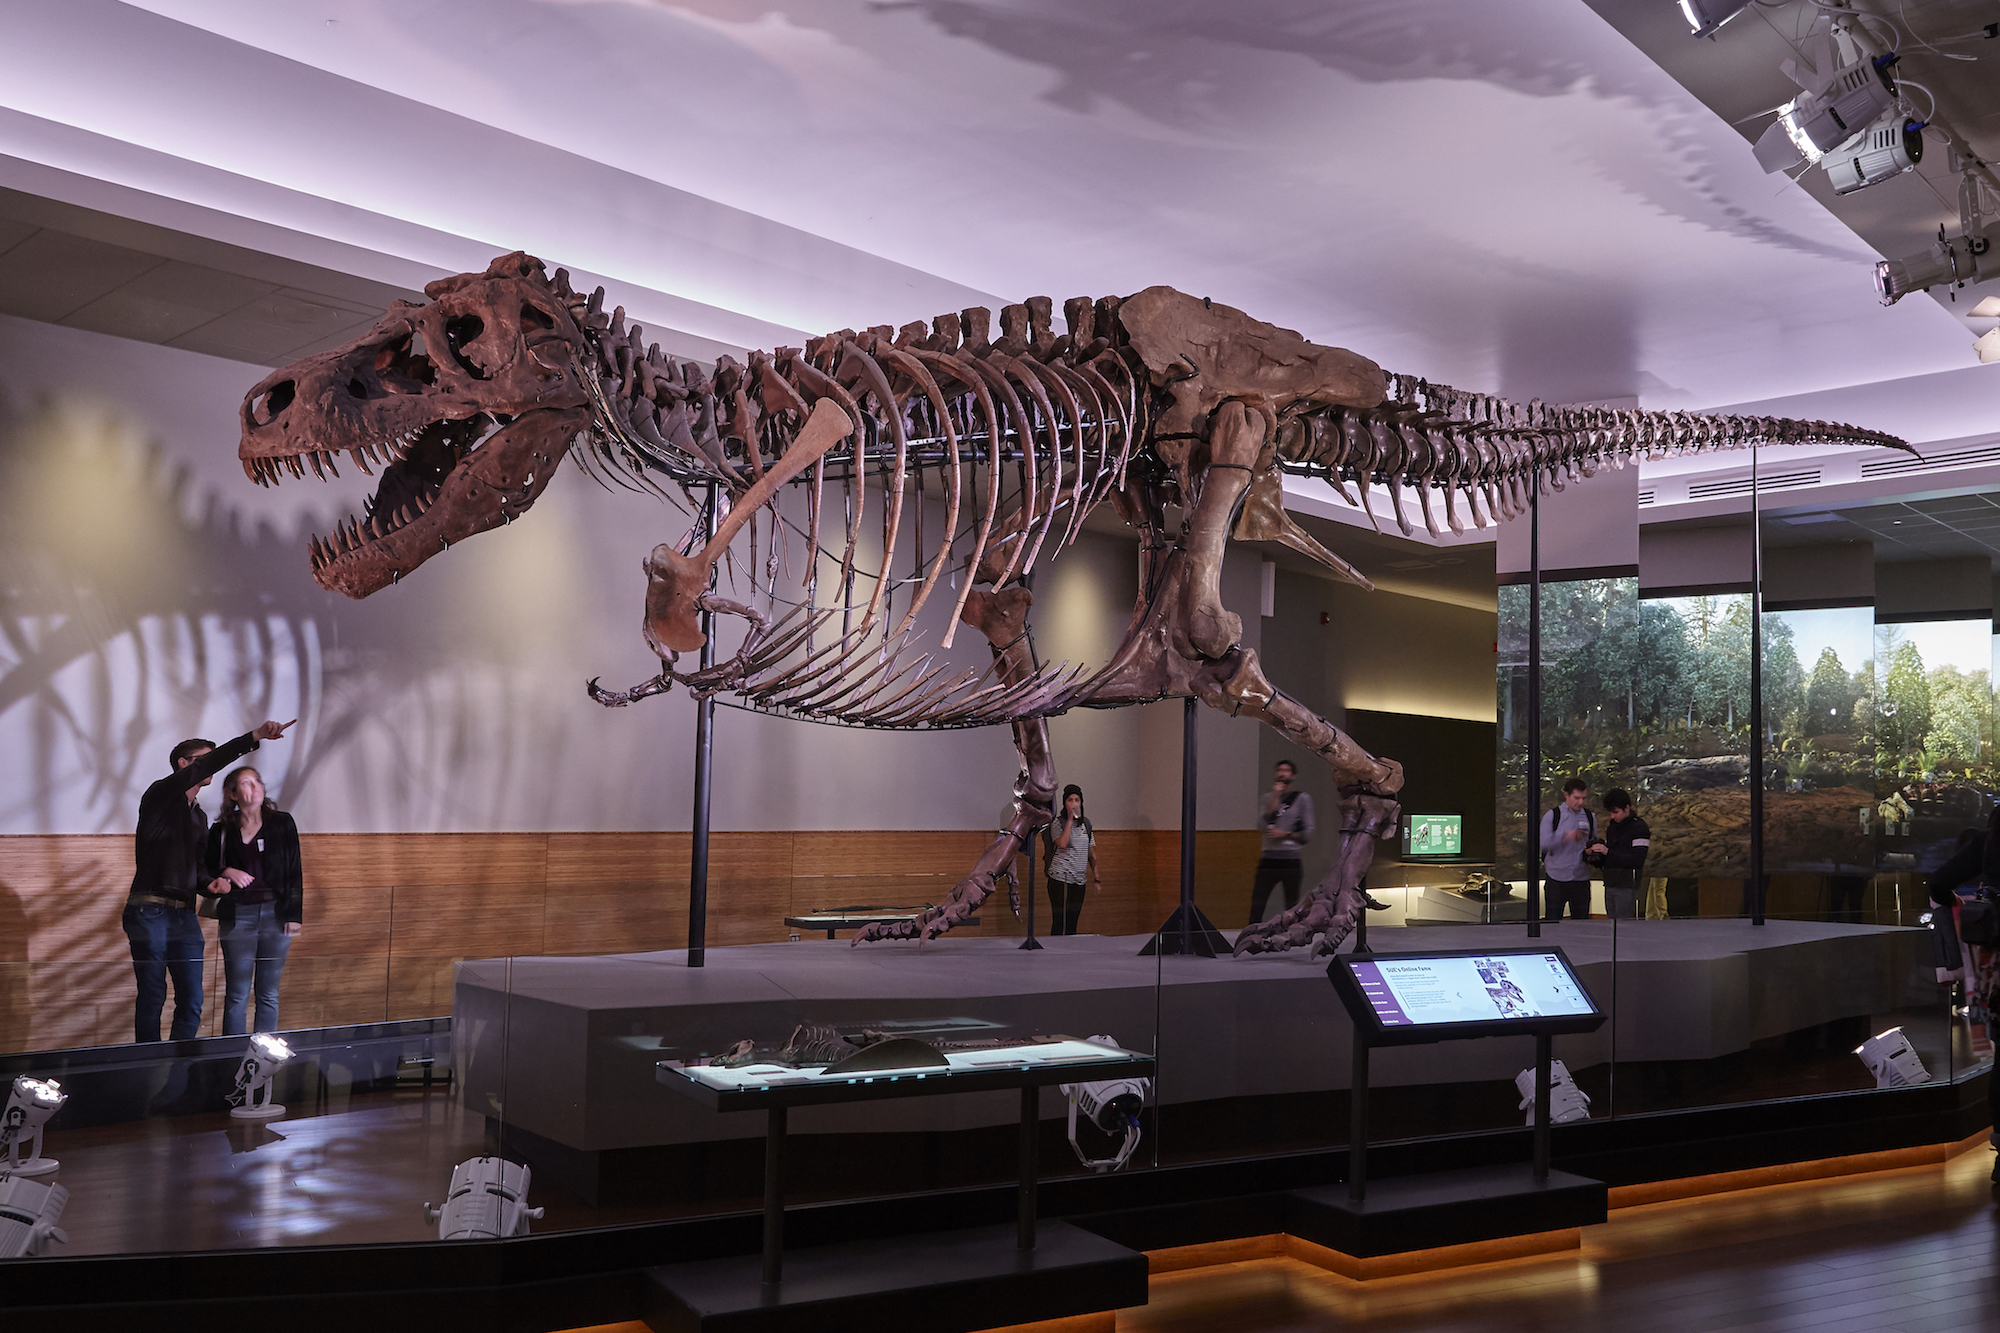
{"x": 675, "y": 581}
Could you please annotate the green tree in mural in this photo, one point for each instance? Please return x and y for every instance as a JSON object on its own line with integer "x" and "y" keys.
{"x": 1960, "y": 715}
{"x": 1784, "y": 678}
{"x": 1903, "y": 719}
{"x": 1651, "y": 654}
{"x": 1830, "y": 697}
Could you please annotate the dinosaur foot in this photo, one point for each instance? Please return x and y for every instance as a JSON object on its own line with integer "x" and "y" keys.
{"x": 659, "y": 684}
{"x": 965, "y": 899}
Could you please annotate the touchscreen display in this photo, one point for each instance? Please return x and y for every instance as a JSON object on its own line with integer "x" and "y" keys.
{"x": 1410, "y": 992}
{"x": 1433, "y": 835}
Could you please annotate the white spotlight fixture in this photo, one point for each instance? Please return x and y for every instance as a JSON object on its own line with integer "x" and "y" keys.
{"x": 1956, "y": 260}
{"x": 1830, "y": 111}
{"x": 1567, "y": 1101}
{"x": 30, "y": 1103}
{"x": 1987, "y": 346}
{"x": 488, "y": 1199}
{"x": 1889, "y": 147}
{"x": 252, "y": 1093}
{"x": 1705, "y": 16}
{"x": 1986, "y": 309}
{"x": 1113, "y": 1105}
{"x": 1891, "y": 1059}
{"x": 29, "y": 1211}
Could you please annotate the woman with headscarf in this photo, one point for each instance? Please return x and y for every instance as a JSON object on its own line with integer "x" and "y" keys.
{"x": 1071, "y": 845}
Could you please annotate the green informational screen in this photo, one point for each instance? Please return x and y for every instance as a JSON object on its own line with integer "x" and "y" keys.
{"x": 1433, "y": 835}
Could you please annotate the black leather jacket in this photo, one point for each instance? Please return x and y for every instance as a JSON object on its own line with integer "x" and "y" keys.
{"x": 1626, "y": 843}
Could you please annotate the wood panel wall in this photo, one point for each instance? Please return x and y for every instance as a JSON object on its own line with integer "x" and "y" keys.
{"x": 387, "y": 915}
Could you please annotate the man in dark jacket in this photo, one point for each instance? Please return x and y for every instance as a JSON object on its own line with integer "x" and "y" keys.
{"x": 1622, "y": 853}
{"x": 160, "y": 921}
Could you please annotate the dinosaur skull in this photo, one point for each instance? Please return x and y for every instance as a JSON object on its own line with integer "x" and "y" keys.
{"x": 468, "y": 403}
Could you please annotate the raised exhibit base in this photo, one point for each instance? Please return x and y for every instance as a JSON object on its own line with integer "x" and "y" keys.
{"x": 948, "y": 1282}
{"x": 581, "y": 1035}
{"x": 1404, "y": 1213}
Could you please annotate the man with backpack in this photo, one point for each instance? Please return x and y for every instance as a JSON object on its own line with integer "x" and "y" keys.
{"x": 1566, "y": 831}
{"x": 1622, "y": 853}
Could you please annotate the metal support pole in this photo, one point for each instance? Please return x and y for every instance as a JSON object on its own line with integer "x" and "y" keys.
{"x": 1534, "y": 792}
{"x": 1543, "y": 1053}
{"x": 1357, "y": 1123}
{"x": 1187, "y": 820}
{"x": 1028, "y": 891}
{"x": 1756, "y": 698}
{"x": 774, "y": 1196}
{"x": 704, "y": 763}
{"x": 1031, "y": 1127}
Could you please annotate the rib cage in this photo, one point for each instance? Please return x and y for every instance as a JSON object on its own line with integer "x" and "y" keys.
{"x": 1025, "y": 435}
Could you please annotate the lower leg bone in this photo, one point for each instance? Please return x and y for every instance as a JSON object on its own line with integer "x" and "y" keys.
{"x": 1003, "y": 619}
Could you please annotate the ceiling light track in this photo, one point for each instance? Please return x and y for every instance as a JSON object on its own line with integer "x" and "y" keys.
{"x": 1853, "y": 119}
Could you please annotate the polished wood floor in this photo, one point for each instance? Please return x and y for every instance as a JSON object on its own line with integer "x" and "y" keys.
{"x": 1915, "y": 1250}
{"x": 1907, "y": 1251}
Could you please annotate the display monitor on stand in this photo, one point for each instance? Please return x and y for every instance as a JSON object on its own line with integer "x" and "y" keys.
{"x": 1411, "y": 999}
{"x": 1433, "y": 837}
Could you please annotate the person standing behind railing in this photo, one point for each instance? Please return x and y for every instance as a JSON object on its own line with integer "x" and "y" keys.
{"x": 1285, "y": 818}
{"x": 1621, "y": 852}
{"x": 254, "y": 868}
{"x": 160, "y": 922}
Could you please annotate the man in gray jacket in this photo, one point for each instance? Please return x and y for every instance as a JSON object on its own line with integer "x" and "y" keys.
{"x": 1566, "y": 831}
{"x": 1286, "y": 820}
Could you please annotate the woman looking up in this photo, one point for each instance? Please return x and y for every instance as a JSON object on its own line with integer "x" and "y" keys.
{"x": 254, "y": 867}
{"x": 1072, "y": 852}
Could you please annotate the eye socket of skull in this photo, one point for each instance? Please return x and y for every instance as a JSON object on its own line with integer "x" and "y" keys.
{"x": 269, "y": 405}
{"x": 460, "y": 332}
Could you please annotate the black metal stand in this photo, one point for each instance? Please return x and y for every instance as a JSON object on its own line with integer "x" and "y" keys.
{"x": 1533, "y": 794}
{"x": 774, "y": 1195}
{"x": 1543, "y": 1053}
{"x": 1757, "y": 776}
{"x": 1187, "y": 930}
{"x": 704, "y": 764}
{"x": 1028, "y": 891}
{"x": 1030, "y": 1166}
{"x": 1357, "y": 1124}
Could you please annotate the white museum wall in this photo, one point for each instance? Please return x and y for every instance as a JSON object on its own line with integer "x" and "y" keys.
{"x": 1380, "y": 651}
{"x": 153, "y": 593}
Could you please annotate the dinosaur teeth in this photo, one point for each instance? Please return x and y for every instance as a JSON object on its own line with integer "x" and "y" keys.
{"x": 360, "y": 461}
{"x": 313, "y": 460}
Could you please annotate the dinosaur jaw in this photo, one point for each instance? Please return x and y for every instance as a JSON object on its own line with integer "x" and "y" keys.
{"x": 443, "y": 483}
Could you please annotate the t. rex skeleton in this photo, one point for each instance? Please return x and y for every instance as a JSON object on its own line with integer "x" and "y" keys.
{"x": 1156, "y": 401}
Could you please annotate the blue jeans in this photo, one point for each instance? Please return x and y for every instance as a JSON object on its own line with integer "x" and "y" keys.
{"x": 166, "y": 941}
{"x": 254, "y": 949}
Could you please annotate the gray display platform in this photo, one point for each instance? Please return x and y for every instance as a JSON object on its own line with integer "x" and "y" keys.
{"x": 565, "y": 1048}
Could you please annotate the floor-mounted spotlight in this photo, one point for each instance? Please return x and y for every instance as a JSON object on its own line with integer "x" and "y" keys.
{"x": 30, "y": 1103}
{"x": 1892, "y": 1060}
{"x": 488, "y": 1199}
{"x": 1567, "y": 1101}
{"x": 1705, "y": 16}
{"x": 1113, "y": 1105}
{"x": 252, "y": 1094}
{"x": 29, "y": 1211}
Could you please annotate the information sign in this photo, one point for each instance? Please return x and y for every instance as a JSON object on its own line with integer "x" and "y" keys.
{"x": 1406, "y": 998}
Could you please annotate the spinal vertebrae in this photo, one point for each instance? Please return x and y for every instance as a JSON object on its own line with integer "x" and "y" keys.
{"x": 824, "y": 461}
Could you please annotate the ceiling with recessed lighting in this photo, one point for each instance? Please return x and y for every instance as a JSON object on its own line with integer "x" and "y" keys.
{"x": 1513, "y": 197}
